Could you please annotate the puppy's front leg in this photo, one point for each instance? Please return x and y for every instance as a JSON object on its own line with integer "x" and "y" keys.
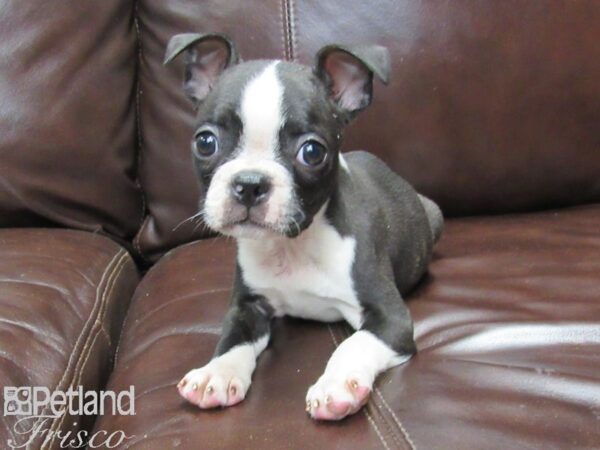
{"x": 384, "y": 340}
{"x": 225, "y": 380}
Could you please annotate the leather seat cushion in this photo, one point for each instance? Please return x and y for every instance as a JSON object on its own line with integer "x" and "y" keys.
{"x": 507, "y": 325}
{"x": 63, "y": 297}
{"x": 67, "y": 116}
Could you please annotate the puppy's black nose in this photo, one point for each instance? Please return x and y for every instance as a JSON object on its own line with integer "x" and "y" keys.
{"x": 250, "y": 188}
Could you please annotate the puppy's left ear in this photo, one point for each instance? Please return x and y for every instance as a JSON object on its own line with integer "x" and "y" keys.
{"x": 348, "y": 74}
{"x": 206, "y": 57}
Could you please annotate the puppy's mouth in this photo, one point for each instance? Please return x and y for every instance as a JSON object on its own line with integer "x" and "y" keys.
{"x": 247, "y": 222}
{"x": 247, "y": 225}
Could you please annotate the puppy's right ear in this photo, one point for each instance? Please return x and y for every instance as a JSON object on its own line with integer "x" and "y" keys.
{"x": 206, "y": 57}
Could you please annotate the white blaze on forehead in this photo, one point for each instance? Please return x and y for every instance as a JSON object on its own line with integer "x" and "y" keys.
{"x": 262, "y": 117}
{"x": 262, "y": 114}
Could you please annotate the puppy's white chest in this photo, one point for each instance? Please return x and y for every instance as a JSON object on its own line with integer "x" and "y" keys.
{"x": 308, "y": 277}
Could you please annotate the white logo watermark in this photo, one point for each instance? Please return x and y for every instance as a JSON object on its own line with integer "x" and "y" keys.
{"x": 37, "y": 406}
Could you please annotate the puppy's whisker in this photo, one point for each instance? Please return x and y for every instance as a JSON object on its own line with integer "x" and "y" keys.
{"x": 189, "y": 219}
{"x": 202, "y": 225}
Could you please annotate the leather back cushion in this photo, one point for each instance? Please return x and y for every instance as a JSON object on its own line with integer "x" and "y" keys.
{"x": 67, "y": 116}
{"x": 493, "y": 106}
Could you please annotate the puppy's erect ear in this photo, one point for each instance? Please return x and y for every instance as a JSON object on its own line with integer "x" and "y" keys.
{"x": 348, "y": 73}
{"x": 206, "y": 57}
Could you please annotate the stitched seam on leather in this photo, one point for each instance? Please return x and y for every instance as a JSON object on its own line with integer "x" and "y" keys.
{"x": 292, "y": 29}
{"x": 121, "y": 335}
{"x": 102, "y": 315}
{"x": 333, "y": 338}
{"x": 78, "y": 373}
{"x": 138, "y": 126}
{"x": 287, "y": 18}
{"x": 56, "y": 424}
{"x": 113, "y": 270}
{"x": 282, "y": 6}
{"x": 107, "y": 271}
{"x": 372, "y": 422}
{"x": 364, "y": 409}
{"x": 401, "y": 427}
{"x": 106, "y": 335}
{"x": 398, "y": 440}
{"x": 406, "y": 437}
{"x": 87, "y": 350}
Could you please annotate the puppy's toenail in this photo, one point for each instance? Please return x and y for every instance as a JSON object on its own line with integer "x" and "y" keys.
{"x": 233, "y": 390}
{"x": 307, "y": 405}
{"x": 316, "y": 404}
{"x": 182, "y": 384}
{"x": 195, "y": 387}
{"x": 210, "y": 390}
{"x": 354, "y": 384}
{"x": 327, "y": 399}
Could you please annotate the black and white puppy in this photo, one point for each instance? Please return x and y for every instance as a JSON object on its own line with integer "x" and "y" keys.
{"x": 320, "y": 235}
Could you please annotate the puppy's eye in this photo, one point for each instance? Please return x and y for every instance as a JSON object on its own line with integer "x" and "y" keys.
{"x": 311, "y": 153}
{"x": 205, "y": 144}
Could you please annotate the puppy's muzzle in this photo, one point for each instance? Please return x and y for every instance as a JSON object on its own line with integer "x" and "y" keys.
{"x": 250, "y": 188}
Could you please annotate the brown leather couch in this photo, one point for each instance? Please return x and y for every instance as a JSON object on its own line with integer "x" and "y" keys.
{"x": 493, "y": 111}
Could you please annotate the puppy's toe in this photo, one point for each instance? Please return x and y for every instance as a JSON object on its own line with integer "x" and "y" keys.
{"x": 236, "y": 392}
{"x": 193, "y": 385}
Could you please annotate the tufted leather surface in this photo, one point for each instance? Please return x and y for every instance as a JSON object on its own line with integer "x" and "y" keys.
{"x": 63, "y": 297}
{"x": 507, "y": 326}
{"x": 67, "y": 125}
{"x": 493, "y": 105}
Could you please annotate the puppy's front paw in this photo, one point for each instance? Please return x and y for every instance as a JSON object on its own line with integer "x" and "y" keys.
{"x": 336, "y": 396}
{"x": 213, "y": 385}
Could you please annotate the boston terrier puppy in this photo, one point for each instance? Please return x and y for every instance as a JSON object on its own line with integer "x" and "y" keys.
{"x": 320, "y": 235}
